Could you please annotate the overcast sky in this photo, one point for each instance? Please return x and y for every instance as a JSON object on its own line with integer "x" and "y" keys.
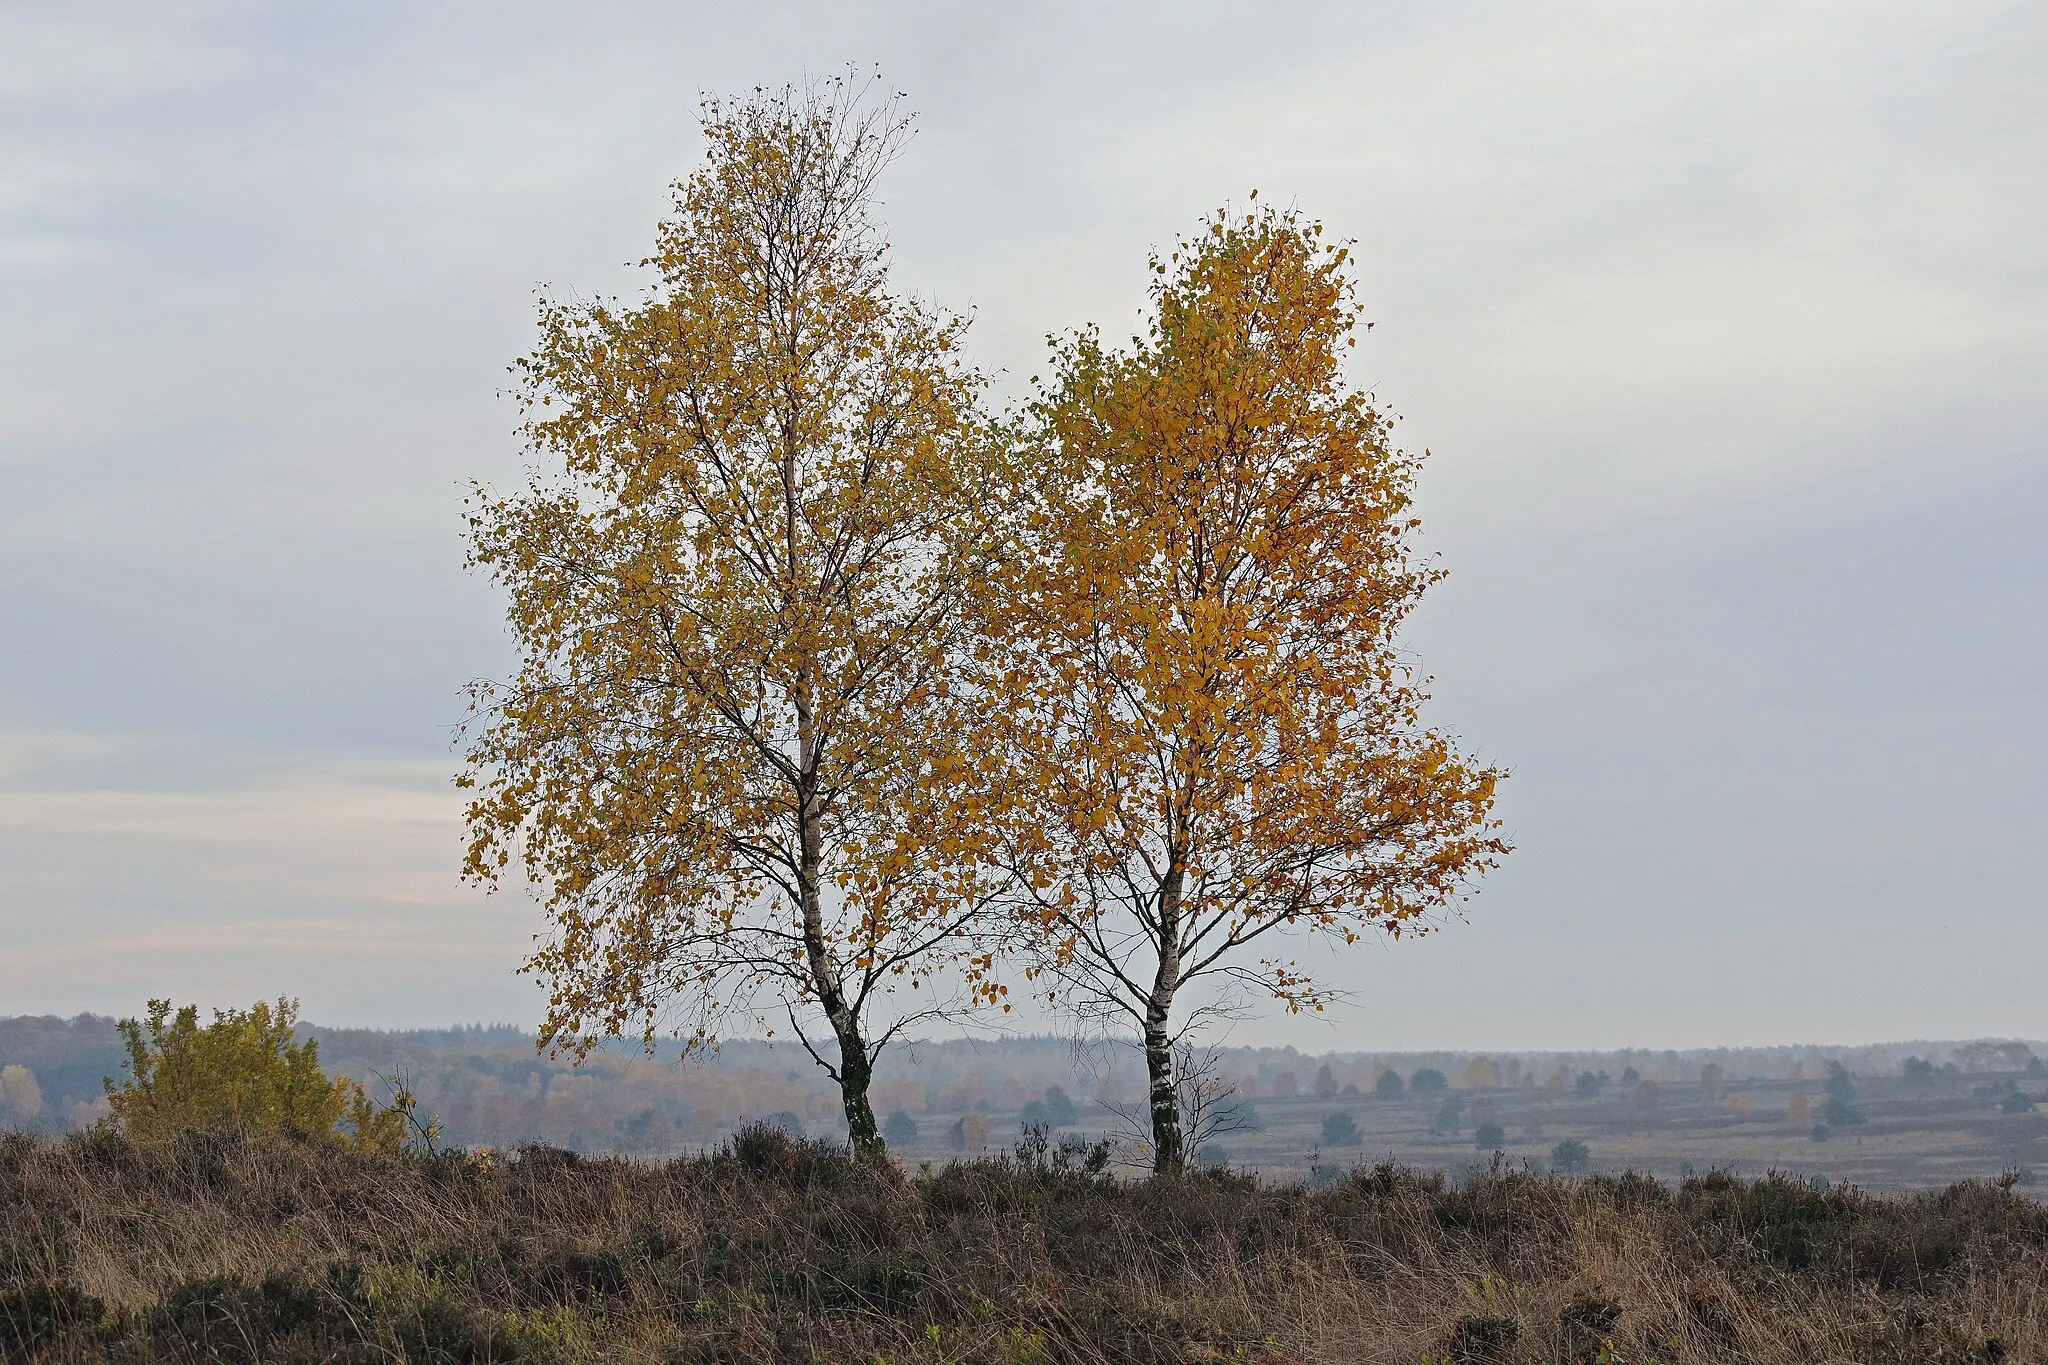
{"x": 1726, "y": 326}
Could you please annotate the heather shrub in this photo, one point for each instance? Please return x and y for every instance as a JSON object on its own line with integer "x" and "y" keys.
{"x": 237, "y": 1246}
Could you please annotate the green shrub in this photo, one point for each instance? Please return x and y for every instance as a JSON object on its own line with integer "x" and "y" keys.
{"x": 1427, "y": 1081}
{"x": 242, "y": 1071}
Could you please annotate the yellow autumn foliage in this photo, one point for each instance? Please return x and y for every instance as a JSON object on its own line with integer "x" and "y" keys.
{"x": 739, "y": 579}
{"x": 21, "y": 1096}
{"x": 243, "y": 1070}
{"x": 1209, "y": 732}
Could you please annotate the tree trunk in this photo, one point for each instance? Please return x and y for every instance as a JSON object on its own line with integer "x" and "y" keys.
{"x": 854, "y": 1075}
{"x": 1169, "y": 1155}
{"x": 854, "y": 1070}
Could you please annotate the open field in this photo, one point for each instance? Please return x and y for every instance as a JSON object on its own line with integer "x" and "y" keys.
{"x": 217, "y": 1247}
{"x": 1912, "y": 1137}
{"x": 492, "y": 1088}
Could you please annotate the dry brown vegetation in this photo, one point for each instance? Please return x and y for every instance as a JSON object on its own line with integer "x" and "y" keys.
{"x": 223, "y": 1247}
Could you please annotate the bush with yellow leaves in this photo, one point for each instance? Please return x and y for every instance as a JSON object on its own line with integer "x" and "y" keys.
{"x": 242, "y": 1071}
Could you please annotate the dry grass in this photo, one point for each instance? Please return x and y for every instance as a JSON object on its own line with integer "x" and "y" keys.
{"x": 220, "y": 1247}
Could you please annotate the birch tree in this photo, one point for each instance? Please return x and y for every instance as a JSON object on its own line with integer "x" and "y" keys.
{"x": 736, "y": 580}
{"x": 1214, "y": 744}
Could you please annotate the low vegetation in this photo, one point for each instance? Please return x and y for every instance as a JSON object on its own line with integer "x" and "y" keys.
{"x": 245, "y": 1069}
{"x": 239, "y": 1204}
{"x": 246, "y": 1246}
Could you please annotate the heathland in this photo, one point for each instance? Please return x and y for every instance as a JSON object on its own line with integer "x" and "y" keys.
{"x": 225, "y": 1247}
{"x": 1338, "y": 1208}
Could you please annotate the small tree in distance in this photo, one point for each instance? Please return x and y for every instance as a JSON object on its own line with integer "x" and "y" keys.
{"x": 1840, "y": 1109}
{"x": 1326, "y": 1081}
{"x": 1481, "y": 1073}
{"x": 1054, "y": 1110}
{"x": 1571, "y": 1157}
{"x": 1489, "y": 1135}
{"x": 1427, "y": 1081}
{"x": 21, "y": 1095}
{"x": 1389, "y": 1086}
{"x": 1059, "y": 1107}
{"x": 1341, "y": 1130}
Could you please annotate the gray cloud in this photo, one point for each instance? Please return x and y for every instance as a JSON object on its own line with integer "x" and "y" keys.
{"x": 1725, "y": 326}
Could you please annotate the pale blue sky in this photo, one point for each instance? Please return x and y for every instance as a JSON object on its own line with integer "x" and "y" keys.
{"x": 1727, "y": 326}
